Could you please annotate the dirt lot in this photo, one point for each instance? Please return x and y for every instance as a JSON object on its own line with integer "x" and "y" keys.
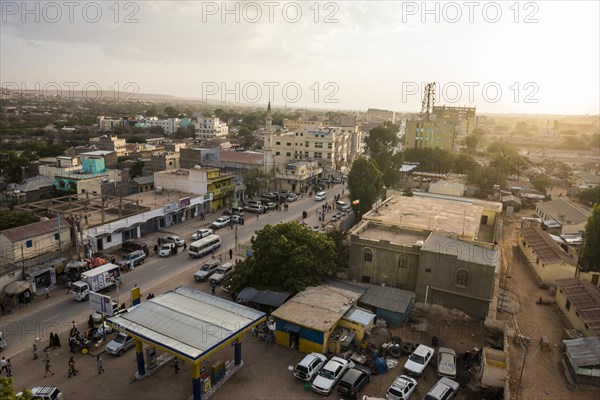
{"x": 543, "y": 376}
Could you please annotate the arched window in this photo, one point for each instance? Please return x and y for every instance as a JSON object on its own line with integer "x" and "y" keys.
{"x": 461, "y": 278}
{"x": 367, "y": 255}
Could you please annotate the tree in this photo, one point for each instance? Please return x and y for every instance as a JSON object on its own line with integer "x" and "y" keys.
{"x": 136, "y": 169}
{"x": 245, "y": 137}
{"x": 364, "y": 183}
{"x": 12, "y": 219}
{"x": 156, "y": 130}
{"x": 590, "y": 196}
{"x": 7, "y": 391}
{"x": 382, "y": 145}
{"x": 471, "y": 142}
{"x": 254, "y": 180}
{"x": 342, "y": 246}
{"x": 591, "y": 250}
{"x": 171, "y": 112}
{"x": 286, "y": 257}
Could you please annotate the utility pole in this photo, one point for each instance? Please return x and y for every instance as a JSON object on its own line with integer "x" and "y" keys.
{"x": 504, "y": 289}
{"x": 526, "y": 340}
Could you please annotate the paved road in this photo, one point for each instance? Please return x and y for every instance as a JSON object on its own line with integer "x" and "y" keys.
{"x": 57, "y": 313}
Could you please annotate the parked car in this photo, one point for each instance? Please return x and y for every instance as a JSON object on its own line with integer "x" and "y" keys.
{"x": 337, "y": 180}
{"x": 444, "y": 389}
{"x": 207, "y": 269}
{"x": 120, "y": 344}
{"x": 236, "y": 219}
{"x": 223, "y": 272}
{"x": 320, "y": 196}
{"x": 255, "y": 208}
{"x": 342, "y": 206}
{"x": 270, "y": 195}
{"x": 318, "y": 187}
{"x": 44, "y": 393}
{"x": 199, "y": 234}
{"x": 418, "y": 360}
{"x": 234, "y": 211}
{"x": 176, "y": 240}
{"x": 137, "y": 257}
{"x": 292, "y": 197}
{"x": 271, "y": 206}
{"x": 330, "y": 374}
{"x": 309, "y": 366}
{"x": 401, "y": 388}
{"x": 220, "y": 222}
{"x": 133, "y": 245}
{"x": 166, "y": 249}
{"x": 353, "y": 381}
{"x": 446, "y": 362}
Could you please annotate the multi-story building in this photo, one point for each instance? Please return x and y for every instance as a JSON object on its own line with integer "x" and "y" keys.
{"x": 463, "y": 118}
{"x": 376, "y": 115}
{"x": 161, "y": 162}
{"x": 298, "y": 125}
{"x": 108, "y": 124}
{"x": 422, "y": 134}
{"x": 110, "y": 143}
{"x": 169, "y": 125}
{"x": 210, "y": 128}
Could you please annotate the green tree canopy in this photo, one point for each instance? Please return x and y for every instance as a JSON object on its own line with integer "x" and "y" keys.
{"x": 7, "y": 391}
{"x": 255, "y": 180}
{"x": 12, "y": 219}
{"x": 136, "y": 169}
{"x": 471, "y": 142}
{"x": 342, "y": 246}
{"x": 382, "y": 145}
{"x": 364, "y": 183}
{"x": 286, "y": 257}
{"x": 590, "y": 196}
{"x": 591, "y": 250}
{"x": 245, "y": 137}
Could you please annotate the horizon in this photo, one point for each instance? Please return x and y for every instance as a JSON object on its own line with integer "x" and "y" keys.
{"x": 498, "y": 57}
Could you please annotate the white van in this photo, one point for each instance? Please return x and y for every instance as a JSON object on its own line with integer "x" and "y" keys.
{"x": 320, "y": 196}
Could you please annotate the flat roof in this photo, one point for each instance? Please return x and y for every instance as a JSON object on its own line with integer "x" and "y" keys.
{"x": 370, "y": 230}
{"x": 317, "y": 307}
{"x": 429, "y": 214}
{"x": 187, "y": 322}
{"x": 153, "y": 200}
{"x": 464, "y": 251}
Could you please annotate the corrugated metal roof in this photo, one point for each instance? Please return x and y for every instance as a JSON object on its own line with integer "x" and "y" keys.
{"x": 360, "y": 316}
{"x": 544, "y": 247}
{"x": 583, "y": 352}
{"x": 33, "y": 230}
{"x": 563, "y": 212}
{"x": 144, "y": 180}
{"x": 187, "y": 321}
{"x": 388, "y": 298}
{"x": 585, "y": 297}
{"x": 264, "y": 297}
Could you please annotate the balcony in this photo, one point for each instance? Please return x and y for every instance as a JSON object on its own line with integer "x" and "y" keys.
{"x": 221, "y": 192}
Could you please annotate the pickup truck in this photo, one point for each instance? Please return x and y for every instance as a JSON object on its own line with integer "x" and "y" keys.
{"x": 220, "y": 222}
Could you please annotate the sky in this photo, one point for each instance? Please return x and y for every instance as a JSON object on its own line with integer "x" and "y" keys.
{"x": 501, "y": 57}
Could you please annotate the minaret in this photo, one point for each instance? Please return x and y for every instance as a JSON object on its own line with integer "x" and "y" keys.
{"x": 268, "y": 142}
{"x": 269, "y": 118}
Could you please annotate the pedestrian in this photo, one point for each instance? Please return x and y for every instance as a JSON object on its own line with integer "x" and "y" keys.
{"x": 257, "y": 216}
{"x": 91, "y": 322}
{"x": 184, "y": 246}
{"x": 99, "y": 365}
{"x": 47, "y": 369}
{"x": 242, "y": 220}
{"x": 175, "y": 249}
{"x": 68, "y": 287}
{"x": 2, "y": 307}
{"x": 113, "y": 260}
{"x": 51, "y": 342}
{"x": 46, "y": 354}
{"x": 27, "y": 296}
{"x": 34, "y": 348}
{"x": 155, "y": 249}
{"x": 2, "y": 364}
{"x": 230, "y": 254}
{"x": 176, "y": 365}
{"x": 56, "y": 340}
{"x": 131, "y": 265}
{"x": 213, "y": 286}
{"x": 47, "y": 292}
{"x": 8, "y": 368}
{"x": 72, "y": 370}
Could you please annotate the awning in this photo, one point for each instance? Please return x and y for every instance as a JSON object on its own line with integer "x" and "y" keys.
{"x": 17, "y": 287}
{"x": 291, "y": 327}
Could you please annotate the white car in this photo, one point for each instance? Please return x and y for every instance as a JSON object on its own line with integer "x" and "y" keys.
{"x": 444, "y": 389}
{"x": 223, "y": 272}
{"x": 446, "y": 362}
{"x": 330, "y": 374}
{"x": 401, "y": 388}
{"x": 309, "y": 366}
{"x": 166, "y": 249}
{"x": 320, "y": 196}
{"x": 207, "y": 270}
{"x": 342, "y": 206}
{"x": 120, "y": 344}
{"x": 176, "y": 240}
{"x": 418, "y": 360}
{"x": 43, "y": 393}
{"x": 220, "y": 222}
{"x": 292, "y": 197}
{"x": 202, "y": 233}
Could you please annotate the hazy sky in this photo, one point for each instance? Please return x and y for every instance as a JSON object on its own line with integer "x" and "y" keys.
{"x": 528, "y": 57}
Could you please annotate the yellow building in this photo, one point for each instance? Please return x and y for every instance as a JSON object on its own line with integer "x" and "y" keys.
{"x": 545, "y": 256}
{"x": 429, "y": 135}
{"x": 222, "y": 187}
{"x": 580, "y": 303}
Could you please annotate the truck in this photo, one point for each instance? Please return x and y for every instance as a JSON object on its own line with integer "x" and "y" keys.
{"x": 96, "y": 280}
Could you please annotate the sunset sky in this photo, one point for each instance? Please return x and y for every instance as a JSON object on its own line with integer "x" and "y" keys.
{"x": 542, "y": 56}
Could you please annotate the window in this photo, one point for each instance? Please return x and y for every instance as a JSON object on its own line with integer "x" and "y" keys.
{"x": 278, "y": 143}
{"x": 288, "y": 144}
{"x": 402, "y": 261}
{"x": 461, "y": 278}
{"x": 329, "y": 145}
{"x": 318, "y": 145}
{"x": 56, "y": 236}
{"x": 428, "y": 270}
{"x": 29, "y": 243}
{"x": 368, "y": 255}
{"x": 306, "y": 144}
{"x": 288, "y": 154}
{"x": 568, "y": 305}
{"x": 108, "y": 239}
{"x": 277, "y": 153}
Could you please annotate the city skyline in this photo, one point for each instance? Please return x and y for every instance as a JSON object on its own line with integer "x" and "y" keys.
{"x": 526, "y": 57}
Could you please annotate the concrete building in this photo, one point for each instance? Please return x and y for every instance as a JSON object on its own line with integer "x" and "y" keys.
{"x": 211, "y": 128}
{"x": 376, "y": 115}
{"x": 32, "y": 189}
{"x": 579, "y": 302}
{"x": 297, "y": 175}
{"x": 110, "y": 143}
{"x": 448, "y": 188}
{"x": 421, "y": 134}
{"x": 463, "y": 118}
{"x": 548, "y": 260}
{"x": 303, "y": 125}
{"x": 571, "y": 218}
{"x": 161, "y": 162}
{"x": 169, "y": 125}
{"x": 108, "y": 124}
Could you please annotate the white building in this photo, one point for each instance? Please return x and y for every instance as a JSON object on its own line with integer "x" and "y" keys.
{"x": 108, "y": 124}
{"x": 210, "y": 128}
{"x": 169, "y": 125}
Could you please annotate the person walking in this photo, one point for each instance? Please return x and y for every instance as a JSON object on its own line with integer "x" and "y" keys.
{"x": 47, "y": 292}
{"x": 47, "y": 369}
{"x": 68, "y": 287}
{"x": 46, "y": 354}
{"x": 230, "y": 254}
{"x": 72, "y": 370}
{"x": 131, "y": 265}
{"x": 34, "y": 349}
{"x": 176, "y": 365}
{"x": 213, "y": 286}
{"x": 56, "y": 340}
{"x": 155, "y": 249}
{"x": 3, "y": 365}
{"x": 99, "y": 365}
{"x": 8, "y": 368}
{"x": 184, "y": 246}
